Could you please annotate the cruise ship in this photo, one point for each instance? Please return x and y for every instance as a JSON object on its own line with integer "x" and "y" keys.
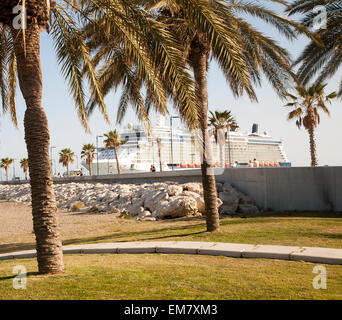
{"x": 179, "y": 149}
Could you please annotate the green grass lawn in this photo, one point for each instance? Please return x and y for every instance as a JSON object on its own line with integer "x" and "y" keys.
{"x": 291, "y": 230}
{"x": 157, "y": 276}
{"x": 298, "y": 231}
{"x": 160, "y": 276}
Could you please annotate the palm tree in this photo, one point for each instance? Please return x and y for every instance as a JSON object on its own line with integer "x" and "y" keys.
{"x": 66, "y": 156}
{"x": 214, "y": 29}
{"x": 316, "y": 60}
{"x": 24, "y": 165}
{"x": 307, "y": 105}
{"x": 20, "y": 57}
{"x": 88, "y": 152}
{"x": 5, "y": 163}
{"x": 221, "y": 120}
{"x": 159, "y": 145}
{"x": 114, "y": 142}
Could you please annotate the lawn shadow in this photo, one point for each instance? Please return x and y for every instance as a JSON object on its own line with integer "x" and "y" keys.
{"x": 291, "y": 214}
{"x": 28, "y": 274}
{"x": 116, "y": 237}
{"x": 12, "y": 247}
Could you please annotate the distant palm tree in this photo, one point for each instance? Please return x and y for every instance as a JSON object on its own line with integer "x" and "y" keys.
{"x": 24, "y": 165}
{"x": 66, "y": 156}
{"x": 88, "y": 152}
{"x": 318, "y": 60}
{"x": 222, "y": 120}
{"x": 5, "y": 163}
{"x": 306, "y": 111}
{"x": 114, "y": 142}
{"x": 159, "y": 144}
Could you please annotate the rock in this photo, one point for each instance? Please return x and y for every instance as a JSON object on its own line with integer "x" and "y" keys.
{"x": 152, "y": 202}
{"x": 248, "y": 208}
{"x": 228, "y": 209}
{"x": 227, "y": 187}
{"x": 230, "y": 202}
{"x": 229, "y": 197}
{"x": 135, "y": 210}
{"x": 145, "y": 214}
{"x": 148, "y": 219}
{"x": 180, "y": 206}
{"x": 199, "y": 200}
{"x": 148, "y": 200}
{"x": 219, "y": 187}
{"x": 76, "y": 206}
{"x": 246, "y": 200}
{"x": 174, "y": 190}
{"x": 115, "y": 211}
{"x": 93, "y": 209}
{"x": 193, "y": 187}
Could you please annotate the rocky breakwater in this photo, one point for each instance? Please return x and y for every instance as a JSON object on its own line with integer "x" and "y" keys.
{"x": 150, "y": 201}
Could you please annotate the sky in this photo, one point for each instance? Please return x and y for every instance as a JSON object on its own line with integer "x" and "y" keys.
{"x": 269, "y": 112}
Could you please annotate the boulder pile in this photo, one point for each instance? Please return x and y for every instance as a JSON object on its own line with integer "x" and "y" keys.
{"x": 150, "y": 201}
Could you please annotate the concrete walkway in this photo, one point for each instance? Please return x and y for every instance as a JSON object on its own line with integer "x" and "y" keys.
{"x": 234, "y": 250}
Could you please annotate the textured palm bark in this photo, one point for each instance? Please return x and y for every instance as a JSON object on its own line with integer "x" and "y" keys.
{"x": 117, "y": 160}
{"x": 37, "y": 137}
{"x": 310, "y": 126}
{"x": 314, "y": 162}
{"x": 90, "y": 164}
{"x": 160, "y": 161}
{"x": 199, "y": 60}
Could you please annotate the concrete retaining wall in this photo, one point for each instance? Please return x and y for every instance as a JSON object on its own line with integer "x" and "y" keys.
{"x": 278, "y": 189}
{"x": 290, "y": 189}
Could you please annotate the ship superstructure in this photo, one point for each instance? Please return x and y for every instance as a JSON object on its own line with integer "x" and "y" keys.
{"x": 177, "y": 148}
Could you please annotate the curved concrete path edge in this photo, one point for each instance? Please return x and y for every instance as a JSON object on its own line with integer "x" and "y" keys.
{"x": 233, "y": 250}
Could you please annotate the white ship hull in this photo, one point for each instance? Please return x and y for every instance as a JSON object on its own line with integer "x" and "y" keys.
{"x": 181, "y": 150}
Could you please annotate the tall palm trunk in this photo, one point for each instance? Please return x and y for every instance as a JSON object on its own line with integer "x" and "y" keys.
{"x": 160, "y": 161}
{"x": 117, "y": 160}
{"x": 314, "y": 162}
{"x": 311, "y": 130}
{"x": 90, "y": 168}
{"x": 221, "y": 156}
{"x": 199, "y": 59}
{"x": 6, "y": 169}
{"x": 37, "y": 137}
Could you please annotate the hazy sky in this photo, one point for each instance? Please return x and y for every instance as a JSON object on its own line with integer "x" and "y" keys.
{"x": 67, "y": 131}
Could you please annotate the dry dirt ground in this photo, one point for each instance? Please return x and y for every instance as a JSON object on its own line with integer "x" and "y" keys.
{"x": 16, "y": 226}
{"x": 16, "y": 218}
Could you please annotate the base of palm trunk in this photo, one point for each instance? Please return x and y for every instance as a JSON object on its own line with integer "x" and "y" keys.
{"x": 210, "y": 199}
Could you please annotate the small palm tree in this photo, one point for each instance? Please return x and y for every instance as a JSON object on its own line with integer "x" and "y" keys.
{"x": 220, "y": 121}
{"x": 66, "y": 156}
{"x": 5, "y": 163}
{"x": 113, "y": 141}
{"x": 160, "y": 145}
{"x": 24, "y": 165}
{"x": 88, "y": 152}
{"x": 306, "y": 111}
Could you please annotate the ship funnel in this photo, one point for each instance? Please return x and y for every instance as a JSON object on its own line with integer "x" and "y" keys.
{"x": 255, "y": 128}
